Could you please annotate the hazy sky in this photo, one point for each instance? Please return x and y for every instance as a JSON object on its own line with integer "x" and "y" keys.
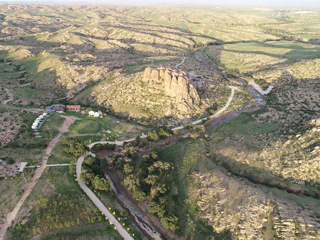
{"x": 263, "y": 3}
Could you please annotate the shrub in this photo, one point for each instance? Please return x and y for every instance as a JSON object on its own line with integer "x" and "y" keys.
{"x": 123, "y": 213}
{"x": 176, "y": 132}
{"x": 10, "y": 160}
{"x": 194, "y": 135}
{"x": 190, "y": 126}
{"x": 145, "y": 143}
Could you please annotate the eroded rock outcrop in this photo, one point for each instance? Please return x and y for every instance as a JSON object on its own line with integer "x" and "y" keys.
{"x": 173, "y": 84}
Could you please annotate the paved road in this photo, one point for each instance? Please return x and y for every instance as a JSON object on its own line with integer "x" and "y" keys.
{"x": 217, "y": 113}
{"x": 99, "y": 204}
{"x": 259, "y": 89}
{"x": 118, "y": 143}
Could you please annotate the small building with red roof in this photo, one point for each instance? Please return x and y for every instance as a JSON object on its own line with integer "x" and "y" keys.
{"x": 75, "y": 108}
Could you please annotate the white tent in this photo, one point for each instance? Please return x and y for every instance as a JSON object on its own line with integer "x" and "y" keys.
{"x": 91, "y": 113}
{"x": 96, "y": 114}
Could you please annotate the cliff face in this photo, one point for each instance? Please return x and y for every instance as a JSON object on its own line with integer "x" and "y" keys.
{"x": 174, "y": 84}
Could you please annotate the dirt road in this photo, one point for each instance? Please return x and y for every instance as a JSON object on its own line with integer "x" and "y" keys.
{"x": 10, "y": 97}
{"x": 28, "y": 188}
{"x": 180, "y": 63}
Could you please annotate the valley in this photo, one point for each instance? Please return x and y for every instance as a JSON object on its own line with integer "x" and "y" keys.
{"x": 206, "y": 123}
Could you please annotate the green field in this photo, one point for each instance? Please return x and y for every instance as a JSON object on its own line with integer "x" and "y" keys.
{"x": 90, "y": 126}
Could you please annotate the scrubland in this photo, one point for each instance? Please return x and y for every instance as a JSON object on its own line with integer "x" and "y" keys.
{"x": 253, "y": 177}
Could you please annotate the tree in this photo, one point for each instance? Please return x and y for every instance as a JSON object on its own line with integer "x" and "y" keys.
{"x": 153, "y": 156}
{"x": 153, "y": 136}
{"x": 131, "y": 182}
{"x": 89, "y": 161}
{"x": 163, "y": 134}
{"x": 155, "y": 208}
{"x": 130, "y": 152}
{"x": 87, "y": 177}
{"x": 103, "y": 162}
{"x": 200, "y": 128}
{"x": 101, "y": 184}
{"x": 169, "y": 222}
{"x": 75, "y": 147}
{"x": 139, "y": 195}
{"x": 127, "y": 169}
{"x": 97, "y": 170}
{"x": 151, "y": 179}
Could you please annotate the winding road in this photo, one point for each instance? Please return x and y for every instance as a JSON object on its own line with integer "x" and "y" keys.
{"x": 217, "y": 113}
{"x": 148, "y": 228}
{"x": 259, "y": 89}
{"x": 180, "y": 63}
{"x": 99, "y": 204}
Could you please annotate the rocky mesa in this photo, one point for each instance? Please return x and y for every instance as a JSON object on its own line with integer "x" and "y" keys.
{"x": 156, "y": 92}
{"x": 174, "y": 84}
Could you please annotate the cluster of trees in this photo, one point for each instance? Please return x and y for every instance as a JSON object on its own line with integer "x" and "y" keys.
{"x": 93, "y": 174}
{"x": 161, "y": 133}
{"x": 57, "y": 212}
{"x": 146, "y": 178}
{"x": 74, "y": 147}
{"x": 99, "y": 147}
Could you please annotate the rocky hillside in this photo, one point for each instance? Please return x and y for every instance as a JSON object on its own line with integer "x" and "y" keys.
{"x": 173, "y": 84}
{"x": 154, "y": 92}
